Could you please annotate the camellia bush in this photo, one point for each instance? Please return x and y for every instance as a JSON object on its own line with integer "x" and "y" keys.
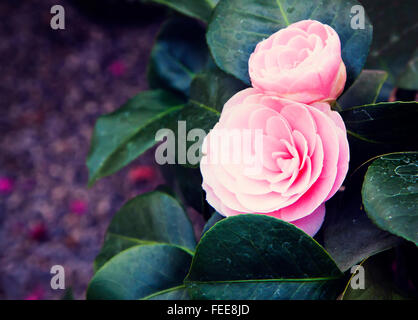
{"x": 333, "y": 194}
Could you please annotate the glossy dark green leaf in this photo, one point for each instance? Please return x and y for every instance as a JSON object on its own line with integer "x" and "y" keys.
{"x": 237, "y": 26}
{"x": 408, "y": 79}
{"x": 260, "y": 257}
{"x": 194, "y": 116}
{"x": 187, "y": 183}
{"x": 213, "y": 88}
{"x": 387, "y": 123}
{"x": 155, "y": 217}
{"x": 216, "y": 217}
{"x": 378, "y": 281}
{"x": 140, "y": 272}
{"x": 199, "y": 116}
{"x": 365, "y": 90}
{"x": 177, "y": 293}
{"x": 199, "y": 9}
{"x": 390, "y": 194}
{"x": 362, "y": 152}
{"x": 121, "y": 136}
{"x": 395, "y": 31}
{"x": 209, "y": 91}
{"x": 179, "y": 53}
{"x": 208, "y": 94}
{"x": 349, "y": 235}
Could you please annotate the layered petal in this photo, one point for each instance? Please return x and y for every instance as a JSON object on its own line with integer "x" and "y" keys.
{"x": 293, "y": 157}
{"x": 301, "y": 62}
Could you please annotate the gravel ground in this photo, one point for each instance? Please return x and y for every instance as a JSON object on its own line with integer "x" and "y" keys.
{"x": 54, "y": 85}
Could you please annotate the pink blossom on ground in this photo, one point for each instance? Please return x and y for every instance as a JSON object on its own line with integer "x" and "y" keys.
{"x": 38, "y": 232}
{"x": 6, "y": 185}
{"x": 141, "y": 173}
{"x": 36, "y": 294}
{"x": 117, "y": 68}
{"x": 78, "y": 206}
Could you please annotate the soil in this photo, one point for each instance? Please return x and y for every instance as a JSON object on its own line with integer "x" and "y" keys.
{"x": 54, "y": 85}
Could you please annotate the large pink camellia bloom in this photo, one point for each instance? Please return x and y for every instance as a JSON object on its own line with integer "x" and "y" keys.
{"x": 301, "y": 62}
{"x": 303, "y": 163}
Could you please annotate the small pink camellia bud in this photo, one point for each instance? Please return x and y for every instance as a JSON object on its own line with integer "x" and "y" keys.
{"x": 36, "y": 294}
{"x": 141, "y": 174}
{"x": 301, "y": 62}
{"x": 38, "y": 232}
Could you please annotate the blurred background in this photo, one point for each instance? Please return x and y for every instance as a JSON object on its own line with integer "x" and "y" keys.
{"x": 54, "y": 85}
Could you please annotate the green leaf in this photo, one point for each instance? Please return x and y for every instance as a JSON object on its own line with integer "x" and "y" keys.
{"x": 237, "y": 26}
{"x": 199, "y": 9}
{"x": 394, "y": 27}
{"x": 260, "y": 257}
{"x": 213, "y": 88}
{"x": 208, "y": 93}
{"x": 349, "y": 235}
{"x": 187, "y": 182}
{"x": 121, "y": 136}
{"x": 408, "y": 79}
{"x": 386, "y": 122}
{"x": 196, "y": 116}
{"x": 364, "y": 90}
{"x": 199, "y": 116}
{"x": 390, "y": 194}
{"x": 215, "y": 218}
{"x": 180, "y": 51}
{"x": 177, "y": 293}
{"x": 378, "y": 283}
{"x": 150, "y": 218}
{"x": 140, "y": 272}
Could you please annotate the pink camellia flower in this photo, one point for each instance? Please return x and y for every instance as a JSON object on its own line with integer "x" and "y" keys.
{"x": 303, "y": 162}
{"x": 301, "y": 62}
